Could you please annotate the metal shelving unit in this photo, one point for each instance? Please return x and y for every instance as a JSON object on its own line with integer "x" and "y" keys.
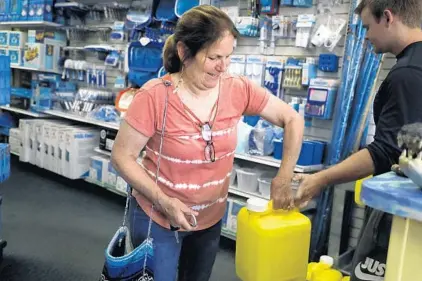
{"x": 31, "y": 24}
{"x": 83, "y": 119}
{"x": 228, "y": 233}
{"x": 270, "y": 161}
{"x": 20, "y": 67}
{"x": 106, "y": 186}
{"x": 23, "y": 111}
{"x": 106, "y": 153}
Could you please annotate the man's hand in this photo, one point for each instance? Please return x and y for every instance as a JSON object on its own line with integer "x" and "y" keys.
{"x": 310, "y": 186}
{"x": 281, "y": 193}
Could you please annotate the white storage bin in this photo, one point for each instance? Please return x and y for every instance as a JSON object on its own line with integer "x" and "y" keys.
{"x": 233, "y": 175}
{"x": 247, "y": 179}
{"x": 264, "y": 184}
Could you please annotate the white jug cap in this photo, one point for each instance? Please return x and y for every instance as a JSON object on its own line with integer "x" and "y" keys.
{"x": 326, "y": 260}
{"x": 257, "y": 205}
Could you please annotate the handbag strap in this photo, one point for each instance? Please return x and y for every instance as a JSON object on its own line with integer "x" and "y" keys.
{"x": 157, "y": 172}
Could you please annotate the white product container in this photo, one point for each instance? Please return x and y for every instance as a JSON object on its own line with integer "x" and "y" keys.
{"x": 233, "y": 175}
{"x": 264, "y": 186}
{"x": 247, "y": 179}
{"x": 264, "y": 183}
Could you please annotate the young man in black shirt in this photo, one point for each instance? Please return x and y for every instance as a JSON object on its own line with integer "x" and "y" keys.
{"x": 393, "y": 26}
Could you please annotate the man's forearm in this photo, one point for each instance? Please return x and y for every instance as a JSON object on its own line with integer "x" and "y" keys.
{"x": 357, "y": 166}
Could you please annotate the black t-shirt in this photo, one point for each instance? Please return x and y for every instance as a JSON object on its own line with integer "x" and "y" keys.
{"x": 398, "y": 102}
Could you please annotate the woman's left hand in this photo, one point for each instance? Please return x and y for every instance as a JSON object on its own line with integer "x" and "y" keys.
{"x": 281, "y": 193}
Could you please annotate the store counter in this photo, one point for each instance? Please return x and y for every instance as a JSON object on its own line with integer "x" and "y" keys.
{"x": 402, "y": 198}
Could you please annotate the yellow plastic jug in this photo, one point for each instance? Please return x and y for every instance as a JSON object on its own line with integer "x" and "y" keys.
{"x": 358, "y": 189}
{"x": 347, "y": 278}
{"x": 325, "y": 262}
{"x": 327, "y": 275}
{"x": 271, "y": 244}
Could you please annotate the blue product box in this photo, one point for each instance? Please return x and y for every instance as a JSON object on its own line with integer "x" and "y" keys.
{"x": 49, "y": 57}
{"x": 303, "y": 3}
{"x": 5, "y": 80}
{"x": 40, "y": 10}
{"x": 25, "y": 10}
{"x": 4, "y": 38}
{"x": 96, "y": 169}
{"x": 328, "y": 63}
{"x": 16, "y": 56}
{"x": 17, "y": 39}
{"x": 321, "y": 98}
{"x": 15, "y": 8}
{"x": 286, "y": 2}
{"x": 3, "y": 10}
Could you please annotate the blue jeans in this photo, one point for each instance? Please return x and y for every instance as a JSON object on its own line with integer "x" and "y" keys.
{"x": 191, "y": 259}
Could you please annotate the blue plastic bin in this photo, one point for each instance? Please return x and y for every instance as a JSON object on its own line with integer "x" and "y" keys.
{"x": 278, "y": 149}
{"x": 251, "y": 120}
{"x": 312, "y": 152}
{"x": 306, "y": 154}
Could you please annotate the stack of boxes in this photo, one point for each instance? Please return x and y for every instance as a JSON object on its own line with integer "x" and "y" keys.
{"x": 58, "y": 146}
{"x": 44, "y": 49}
{"x": 38, "y": 49}
{"x": 12, "y": 44}
{"x": 15, "y": 140}
{"x": 5, "y": 80}
{"x": 67, "y": 149}
{"x": 102, "y": 172}
{"x": 26, "y": 10}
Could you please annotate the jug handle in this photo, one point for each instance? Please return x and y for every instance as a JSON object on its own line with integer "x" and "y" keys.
{"x": 270, "y": 209}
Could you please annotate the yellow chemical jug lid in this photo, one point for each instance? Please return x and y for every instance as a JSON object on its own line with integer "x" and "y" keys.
{"x": 257, "y": 205}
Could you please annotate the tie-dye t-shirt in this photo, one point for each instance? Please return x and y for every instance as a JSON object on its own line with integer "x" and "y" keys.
{"x": 184, "y": 171}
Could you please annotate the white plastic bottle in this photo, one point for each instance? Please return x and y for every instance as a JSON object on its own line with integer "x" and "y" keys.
{"x": 302, "y": 108}
{"x": 295, "y": 103}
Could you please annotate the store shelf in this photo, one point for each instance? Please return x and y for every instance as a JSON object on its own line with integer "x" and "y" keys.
{"x": 99, "y": 150}
{"x": 228, "y": 233}
{"x": 30, "y": 24}
{"x": 106, "y": 186}
{"x": 245, "y": 194}
{"x": 270, "y": 161}
{"x": 23, "y": 111}
{"x": 83, "y": 119}
{"x": 75, "y": 6}
{"x": 34, "y": 69}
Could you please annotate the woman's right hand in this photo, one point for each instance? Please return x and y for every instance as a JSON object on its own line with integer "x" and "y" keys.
{"x": 177, "y": 213}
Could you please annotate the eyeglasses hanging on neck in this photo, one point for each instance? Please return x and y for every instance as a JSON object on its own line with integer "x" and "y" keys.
{"x": 205, "y": 127}
{"x": 206, "y": 133}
